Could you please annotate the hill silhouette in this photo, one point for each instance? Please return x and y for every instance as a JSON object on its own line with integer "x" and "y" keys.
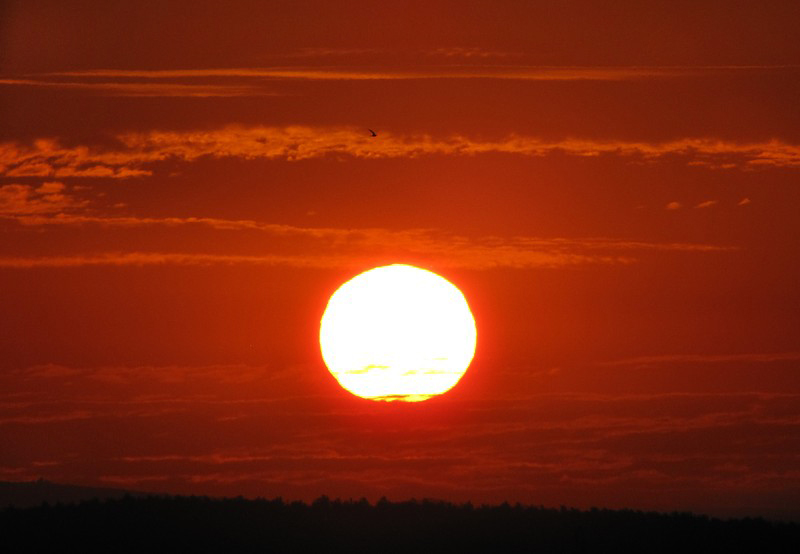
{"x": 201, "y": 524}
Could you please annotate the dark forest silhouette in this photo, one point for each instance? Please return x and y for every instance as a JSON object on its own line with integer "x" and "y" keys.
{"x": 27, "y": 494}
{"x": 201, "y": 524}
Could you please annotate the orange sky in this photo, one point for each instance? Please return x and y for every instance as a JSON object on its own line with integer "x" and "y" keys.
{"x": 614, "y": 188}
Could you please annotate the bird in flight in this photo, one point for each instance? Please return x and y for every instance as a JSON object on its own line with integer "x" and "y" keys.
{"x": 374, "y": 134}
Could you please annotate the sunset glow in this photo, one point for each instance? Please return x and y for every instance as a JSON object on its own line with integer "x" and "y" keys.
{"x": 486, "y": 251}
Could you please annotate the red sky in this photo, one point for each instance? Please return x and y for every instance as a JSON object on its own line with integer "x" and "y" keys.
{"x": 614, "y": 188}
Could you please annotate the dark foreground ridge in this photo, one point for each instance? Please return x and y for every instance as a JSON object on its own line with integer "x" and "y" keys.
{"x": 201, "y": 524}
{"x": 26, "y": 494}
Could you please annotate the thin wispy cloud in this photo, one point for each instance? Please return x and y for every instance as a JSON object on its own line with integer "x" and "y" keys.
{"x": 139, "y": 151}
{"x": 148, "y": 89}
{"x": 706, "y": 204}
{"x": 483, "y": 71}
{"x": 755, "y": 357}
{"x": 333, "y": 247}
{"x": 164, "y": 258}
{"x": 156, "y": 376}
{"x": 472, "y": 52}
{"x": 598, "y": 440}
{"x": 476, "y": 257}
{"x": 330, "y": 52}
{"x": 365, "y": 236}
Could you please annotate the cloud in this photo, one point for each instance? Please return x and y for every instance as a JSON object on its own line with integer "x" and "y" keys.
{"x": 53, "y": 393}
{"x": 706, "y": 359}
{"x": 744, "y": 202}
{"x": 26, "y": 200}
{"x": 211, "y": 222}
{"x": 505, "y": 71}
{"x": 138, "y": 151}
{"x": 410, "y": 238}
{"x": 471, "y": 53}
{"x": 707, "y": 204}
{"x": 674, "y": 206}
{"x": 163, "y": 258}
{"x": 153, "y": 375}
{"x": 469, "y": 259}
{"x": 331, "y": 52}
{"x": 148, "y": 89}
{"x": 46, "y": 419}
{"x": 185, "y": 433}
{"x": 331, "y": 247}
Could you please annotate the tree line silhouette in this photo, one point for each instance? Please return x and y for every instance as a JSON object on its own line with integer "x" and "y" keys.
{"x": 202, "y": 524}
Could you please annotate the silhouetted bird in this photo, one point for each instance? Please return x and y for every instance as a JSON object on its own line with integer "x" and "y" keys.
{"x": 374, "y": 134}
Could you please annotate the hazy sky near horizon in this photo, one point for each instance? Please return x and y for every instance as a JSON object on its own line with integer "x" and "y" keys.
{"x": 614, "y": 188}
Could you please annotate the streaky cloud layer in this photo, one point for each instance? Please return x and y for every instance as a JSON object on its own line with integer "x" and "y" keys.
{"x": 139, "y": 151}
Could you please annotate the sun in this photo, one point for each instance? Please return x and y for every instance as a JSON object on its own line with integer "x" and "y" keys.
{"x": 397, "y": 332}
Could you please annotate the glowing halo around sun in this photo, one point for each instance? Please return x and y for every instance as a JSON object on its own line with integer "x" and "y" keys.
{"x": 397, "y": 332}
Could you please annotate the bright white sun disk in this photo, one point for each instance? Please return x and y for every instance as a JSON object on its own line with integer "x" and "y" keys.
{"x": 397, "y": 333}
